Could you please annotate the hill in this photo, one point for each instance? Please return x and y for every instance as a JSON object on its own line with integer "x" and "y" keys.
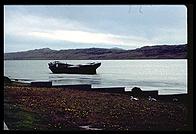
{"x": 146, "y": 52}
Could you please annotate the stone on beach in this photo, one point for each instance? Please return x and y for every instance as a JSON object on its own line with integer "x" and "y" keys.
{"x": 7, "y": 80}
{"x": 137, "y": 91}
{"x": 5, "y": 127}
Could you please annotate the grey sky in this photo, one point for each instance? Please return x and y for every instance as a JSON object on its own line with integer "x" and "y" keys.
{"x": 83, "y": 26}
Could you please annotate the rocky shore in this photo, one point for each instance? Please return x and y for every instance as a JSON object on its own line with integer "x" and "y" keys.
{"x": 41, "y": 108}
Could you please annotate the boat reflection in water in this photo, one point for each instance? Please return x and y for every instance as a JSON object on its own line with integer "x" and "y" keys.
{"x": 59, "y": 67}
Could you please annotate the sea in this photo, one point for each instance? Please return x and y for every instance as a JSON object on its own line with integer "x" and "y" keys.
{"x": 168, "y": 76}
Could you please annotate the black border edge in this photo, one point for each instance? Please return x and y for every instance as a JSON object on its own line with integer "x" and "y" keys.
{"x": 187, "y": 3}
{"x": 190, "y": 63}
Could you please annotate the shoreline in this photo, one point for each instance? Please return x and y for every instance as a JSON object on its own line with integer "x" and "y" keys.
{"x": 182, "y": 97}
{"x": 43, "y": 108}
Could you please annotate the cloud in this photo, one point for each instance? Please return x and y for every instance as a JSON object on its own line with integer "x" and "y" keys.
{"x": 88, "y": 37}
{"x": 46, "y": 28}
{"x": 25, "y": 26}
{"x": 20, "y": 23}
{"x": 171, "y": 36}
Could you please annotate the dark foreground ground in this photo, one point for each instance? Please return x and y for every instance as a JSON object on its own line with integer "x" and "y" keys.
{"x": 30, "y": 108}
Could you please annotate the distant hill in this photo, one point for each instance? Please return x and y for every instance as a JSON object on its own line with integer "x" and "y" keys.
{"x": 146, "y": 52}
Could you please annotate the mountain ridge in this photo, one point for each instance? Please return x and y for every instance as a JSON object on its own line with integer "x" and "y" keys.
{"x": 145, "y": 52}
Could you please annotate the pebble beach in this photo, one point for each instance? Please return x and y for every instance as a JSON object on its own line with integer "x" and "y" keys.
{"x": 33, "y": 108}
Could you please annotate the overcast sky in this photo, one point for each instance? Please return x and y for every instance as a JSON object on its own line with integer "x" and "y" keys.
{"x": 84, "y": 26}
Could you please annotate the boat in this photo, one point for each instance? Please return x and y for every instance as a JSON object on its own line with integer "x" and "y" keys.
{"x": 59, "y": 67}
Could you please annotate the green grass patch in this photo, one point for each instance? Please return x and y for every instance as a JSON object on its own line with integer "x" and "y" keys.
{"x": 17, "y": 118}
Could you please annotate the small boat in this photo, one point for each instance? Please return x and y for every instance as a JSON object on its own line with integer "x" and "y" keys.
{"x": 59, "y": 67}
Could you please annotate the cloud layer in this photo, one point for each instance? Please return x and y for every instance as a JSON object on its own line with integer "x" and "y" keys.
{"x": 21, "y": 26}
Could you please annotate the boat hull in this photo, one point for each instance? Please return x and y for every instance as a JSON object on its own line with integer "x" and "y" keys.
{"x": 71, "y": 69}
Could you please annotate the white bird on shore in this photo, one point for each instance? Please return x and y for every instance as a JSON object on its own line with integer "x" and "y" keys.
{"x": 133, "y": 98}
{"x": 175, "y": 99}
{"x": 151, "y": 99}
{"x": 89, "y": 128}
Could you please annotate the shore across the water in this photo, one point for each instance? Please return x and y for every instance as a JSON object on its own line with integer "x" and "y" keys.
{"x": 42, "y": 108}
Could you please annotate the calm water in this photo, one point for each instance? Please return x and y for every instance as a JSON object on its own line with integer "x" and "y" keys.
{"x": 167, "y": 76}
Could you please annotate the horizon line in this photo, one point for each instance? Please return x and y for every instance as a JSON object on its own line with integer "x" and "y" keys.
{"x": 97, "y": 47}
